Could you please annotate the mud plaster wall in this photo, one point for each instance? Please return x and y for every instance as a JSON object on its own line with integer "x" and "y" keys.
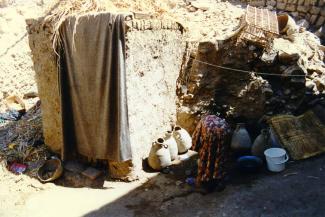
{"x": 154, "y": 57}
{"x": 47, "y": 81}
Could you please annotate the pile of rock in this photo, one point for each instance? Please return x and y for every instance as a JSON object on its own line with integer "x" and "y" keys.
{"x": 296, "y": 62}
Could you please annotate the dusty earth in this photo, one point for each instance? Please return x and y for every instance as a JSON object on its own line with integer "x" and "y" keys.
{"x": 17, "y": 75}
{"x": 298, "y": 191}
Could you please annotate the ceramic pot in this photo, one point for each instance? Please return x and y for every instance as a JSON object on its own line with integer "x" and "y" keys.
{"x": 274, "y": 141}
{"x": 159, "y": 156}
{"x": 261, "y": 143}
{"x": 240, "y": 141}
{"x": 287, "y": 24}
{"x": 172, "y": 144}
{"x": 183, "y": 139}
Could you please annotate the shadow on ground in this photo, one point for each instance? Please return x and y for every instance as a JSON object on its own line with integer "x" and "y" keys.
{"x": 298, "y": 191}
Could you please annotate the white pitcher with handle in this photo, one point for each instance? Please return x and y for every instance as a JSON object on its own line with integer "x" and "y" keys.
{"x": 159, "y": 156}
{"x": 172, "y": 144}
{"x": 183, "y": 139}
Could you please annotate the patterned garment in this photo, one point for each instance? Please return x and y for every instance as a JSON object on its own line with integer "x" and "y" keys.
{"x": 211, "y": 140}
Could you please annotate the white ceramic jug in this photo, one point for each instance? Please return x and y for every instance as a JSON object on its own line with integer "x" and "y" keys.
{"x": 240, "y": 141}
{"x": 172, "y": 144}
{"x": 261, "y": 143}
{"x": 159, "y": 156}
{"x": 183, "y": 139}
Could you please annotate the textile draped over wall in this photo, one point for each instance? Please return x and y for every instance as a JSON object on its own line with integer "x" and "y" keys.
{"x": 93, "y": 87}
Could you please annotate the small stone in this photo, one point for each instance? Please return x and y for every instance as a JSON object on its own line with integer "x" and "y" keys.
{"x": 192, "y": 9}
{"x": 271, "y": 3}
{"x": 322, "y": 12}
{"x": 286, "y": 57}
{"x": 301, "y": 2}
{"x": 91, "y": 173}
{"x": 267, "y": 91}
{"x": 320, "y": 31}
{"x": 306, "y": 3}
{"x": 270, "y": 8}
{"x": 294, "y": 14}
{"x": 310, "y": 84}
{"x": 293, "y": 97}
{"x": 178, "y": 183}
{"x": 312, "y": 2}
{"x": 320, "y": 21}
{"x": 303, "y": 23}
{"x": 302, "y": 8}
{"x": 313, "y": 19}
{"x": 281, "y": 6}
{"x": 291, "y": 7}
{"x": 315, "y": 10}
{"x": 141, "y": 15}
{"x": 251, "y": 98}
{"x": 31, "y": 94}
{"x": 320, "y": 83}
{"x": 188, "y": 172}
{"x": 321, "y": 3}
{"x": 200, "y": 5}
{"x": 291, "y": 107}
{"x": 74, "y": 166}
{"x": 188, "y": 2}
{"x": 258, "y": 3}
{"x": 166, "y": 170}
{"x": 287, "y": 91}
{"x": 252, "y": 47}
{"x": 269, "y": 57}
{"x": 188, "y": 97}
{"x": 297, "y": 80}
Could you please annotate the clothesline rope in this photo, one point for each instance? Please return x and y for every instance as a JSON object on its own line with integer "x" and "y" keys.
{"x": 244, "y": 71}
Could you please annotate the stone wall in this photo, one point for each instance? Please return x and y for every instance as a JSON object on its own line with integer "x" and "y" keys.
{"x": 154, "y": 57}
{"x": 311, "y": 10}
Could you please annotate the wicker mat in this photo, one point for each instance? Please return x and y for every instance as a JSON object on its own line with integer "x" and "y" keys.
{"x": 302, "y": 136}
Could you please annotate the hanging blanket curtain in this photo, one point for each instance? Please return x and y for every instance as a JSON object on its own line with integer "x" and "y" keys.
{"x": 93, "y": 87}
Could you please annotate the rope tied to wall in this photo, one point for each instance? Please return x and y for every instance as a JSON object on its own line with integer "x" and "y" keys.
{"x": 244, "y": 71}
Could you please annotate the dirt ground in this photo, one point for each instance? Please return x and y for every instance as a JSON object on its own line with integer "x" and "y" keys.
{"x": 297, "y": 191}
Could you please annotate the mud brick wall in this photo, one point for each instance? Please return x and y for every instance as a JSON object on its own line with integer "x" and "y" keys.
{"x": 154, "y": 57}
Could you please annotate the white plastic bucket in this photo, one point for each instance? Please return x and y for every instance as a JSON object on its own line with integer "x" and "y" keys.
{"x": 276, "y": 159}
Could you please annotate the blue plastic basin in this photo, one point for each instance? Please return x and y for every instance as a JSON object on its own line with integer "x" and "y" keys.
{"x": 249, "y": 163}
